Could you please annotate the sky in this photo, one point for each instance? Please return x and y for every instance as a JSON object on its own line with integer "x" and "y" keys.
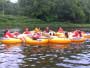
{"x": 13, "y": 1}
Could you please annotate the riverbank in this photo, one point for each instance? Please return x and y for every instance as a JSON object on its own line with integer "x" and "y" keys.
{"x": 9, "y": 21}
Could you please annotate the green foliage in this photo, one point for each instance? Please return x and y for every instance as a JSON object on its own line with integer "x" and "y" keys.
{"x": 49, "y": 10}
{"x": 22, "y": 21}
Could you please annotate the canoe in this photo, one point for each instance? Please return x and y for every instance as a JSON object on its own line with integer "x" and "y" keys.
{"x": 59, "y": 41}
{"x": 35, "y": 42}
{"x": 10, "y": 41}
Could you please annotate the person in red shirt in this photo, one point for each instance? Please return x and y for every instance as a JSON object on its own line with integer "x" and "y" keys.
{"x": 77, "y": 33}
{"x": 7, "y": 34}
{"x": 16, "y": 33}
{"x": 26, "y": 31}
{"x": 60, "y": 30}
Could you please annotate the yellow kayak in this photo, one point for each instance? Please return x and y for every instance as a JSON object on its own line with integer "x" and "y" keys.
{"x": 60, "y": 34}
{"x": 10, "y": 41}
{"x": 36, "y": 42}
{"x": 59, "y": 41}
{"x": 78, "y": 40}
{"x": 86, "y": 36}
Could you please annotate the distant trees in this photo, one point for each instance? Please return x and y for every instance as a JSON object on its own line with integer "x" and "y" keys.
{"x": 49, "y": 10}
{"x": 6, "y": 7}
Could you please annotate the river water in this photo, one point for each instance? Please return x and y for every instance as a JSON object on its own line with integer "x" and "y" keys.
{"x": 18, "y": 56}
{"x": 43, "y": 57}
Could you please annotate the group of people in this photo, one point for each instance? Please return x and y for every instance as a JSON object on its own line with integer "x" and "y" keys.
{"x": 16, "y": 34}
{"x": 38, "y": 33}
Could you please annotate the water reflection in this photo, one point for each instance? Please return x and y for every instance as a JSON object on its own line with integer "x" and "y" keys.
{"x": 44, "y": 57}
{"x": 51, "y": 57}
{"x": 11, "y": 57}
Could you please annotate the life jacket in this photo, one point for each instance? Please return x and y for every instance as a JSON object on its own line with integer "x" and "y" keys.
{"x": 27, "y": 32}
{"x": 37, "y": 35}
{"x": 8, "y": 35}
{"x": 77, "y": 34}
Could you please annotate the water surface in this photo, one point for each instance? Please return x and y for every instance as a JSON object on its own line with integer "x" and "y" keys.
{"x": 43, "y": 57}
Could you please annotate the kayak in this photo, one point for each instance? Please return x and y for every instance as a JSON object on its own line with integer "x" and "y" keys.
{"x": 78, "y": 40}
{"x": 86, "y": 36}
{"x": 51, "y": 40}
{"x": 36, "y": 41}
{"x": 10, "y": 41}
{"x": 59, "y": 41}
{"x": 60, "y": 34}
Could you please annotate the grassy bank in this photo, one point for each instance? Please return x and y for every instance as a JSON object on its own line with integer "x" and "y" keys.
{"x": 21, "y": 21}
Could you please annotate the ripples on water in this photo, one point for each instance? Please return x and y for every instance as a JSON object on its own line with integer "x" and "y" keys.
{"x": 43, "y": 57}
{"x": 11, "y": 57}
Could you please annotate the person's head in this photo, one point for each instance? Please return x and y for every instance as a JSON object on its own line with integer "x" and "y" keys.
{"x": 47, "y": 27}
{"x": 26, "y": 29}
{"x": 60, "y": 28}
{"x": 37, "y": 29}
{"x": 66, "y": 34}
{"x": 6, "y": 31}
{"x": 16, "y": 33}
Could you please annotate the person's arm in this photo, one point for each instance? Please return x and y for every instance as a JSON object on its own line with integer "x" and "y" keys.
{"x": 7, "y": 36}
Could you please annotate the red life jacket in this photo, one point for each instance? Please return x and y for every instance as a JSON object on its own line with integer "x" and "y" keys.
{"x": 37, "y": 36}
{"x": 76, "y": 34}
{"x": 8, "y": 34}
{"x": 27, "y": 32}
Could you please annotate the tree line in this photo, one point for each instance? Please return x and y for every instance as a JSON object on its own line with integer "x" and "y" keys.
{"x": 49, "y": 10}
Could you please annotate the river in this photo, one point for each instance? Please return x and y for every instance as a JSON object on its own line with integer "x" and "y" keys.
{"x": 12, "y": 56}
{"x": 43, "y": 57}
